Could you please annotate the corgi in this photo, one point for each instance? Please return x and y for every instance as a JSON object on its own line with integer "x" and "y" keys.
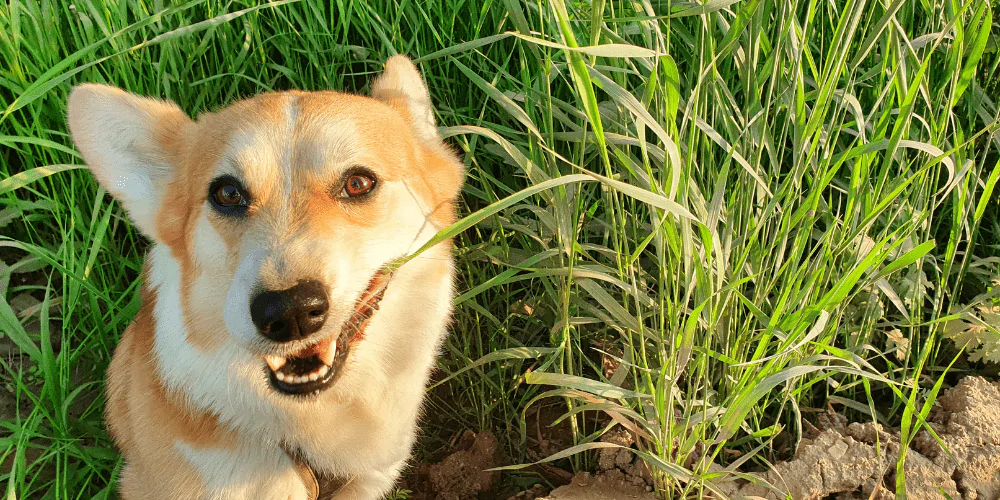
{"x": 277, "y": 354}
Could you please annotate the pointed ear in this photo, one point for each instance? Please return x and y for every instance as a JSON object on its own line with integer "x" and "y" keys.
{"x": 402, "y": 87}
{"x": 130, "y": 143}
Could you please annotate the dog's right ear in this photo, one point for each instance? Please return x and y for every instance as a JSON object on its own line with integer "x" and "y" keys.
{"x": 131, "y": 145}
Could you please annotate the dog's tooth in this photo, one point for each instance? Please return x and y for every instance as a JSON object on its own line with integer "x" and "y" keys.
{"x": 323, "y": 370}
{"x": 275, "y": 362}
{"x": 313, "y": 377}
{"x": 302, "y": 379}
{"x": 280, "y": 376}
{"x": 327, "y": 356}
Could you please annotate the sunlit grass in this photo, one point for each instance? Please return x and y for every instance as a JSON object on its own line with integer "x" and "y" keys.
{"x": 749, "y": 208}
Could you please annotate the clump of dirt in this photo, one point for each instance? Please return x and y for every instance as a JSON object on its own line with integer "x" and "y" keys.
{"x": 603, "y": 486}
{"x": 545, "y": 438}
{"x": 536, "y": 492}
{"x": 621, "y": 475}
{"x": 463, "y": 474}
{"x": 858, "y": 460}
{"x": 829, "y": 463}
{"x": 456, "y": 468}
{"x": 622, "y": 461}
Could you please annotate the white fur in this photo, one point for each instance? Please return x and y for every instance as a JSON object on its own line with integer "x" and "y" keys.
{"x": 236, "y": 475}
{"x": 237, "y": 314}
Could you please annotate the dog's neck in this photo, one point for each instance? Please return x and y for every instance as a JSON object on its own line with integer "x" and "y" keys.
{"x": 319, "y": 485}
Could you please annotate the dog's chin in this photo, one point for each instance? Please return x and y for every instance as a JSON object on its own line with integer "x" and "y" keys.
{"x": 317, "y": 367}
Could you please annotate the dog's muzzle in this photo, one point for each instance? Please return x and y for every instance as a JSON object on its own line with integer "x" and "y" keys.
{"x": 294, "y": 314}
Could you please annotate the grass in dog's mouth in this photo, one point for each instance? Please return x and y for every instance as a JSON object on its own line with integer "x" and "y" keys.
{"x": 316, "y": 367}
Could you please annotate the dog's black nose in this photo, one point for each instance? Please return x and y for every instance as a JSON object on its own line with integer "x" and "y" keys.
{"x": 290, "y": 314}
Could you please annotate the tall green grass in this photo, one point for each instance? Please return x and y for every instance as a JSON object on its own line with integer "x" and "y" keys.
{"x": 716, "y": 215}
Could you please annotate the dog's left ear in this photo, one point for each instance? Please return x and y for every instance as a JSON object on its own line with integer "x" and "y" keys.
{"x": 402, "y": 87}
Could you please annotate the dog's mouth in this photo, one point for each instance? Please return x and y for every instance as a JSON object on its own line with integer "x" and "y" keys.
{"x": 315, "y": 368}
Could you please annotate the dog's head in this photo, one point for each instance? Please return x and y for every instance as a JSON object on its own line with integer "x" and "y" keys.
{"x": 282, "y": 210}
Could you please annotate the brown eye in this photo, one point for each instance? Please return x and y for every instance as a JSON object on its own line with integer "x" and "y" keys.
{"x": 228, "y": 196}
{"x": 357, "y": 185}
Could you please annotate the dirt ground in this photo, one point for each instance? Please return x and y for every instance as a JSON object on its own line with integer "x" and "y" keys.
{"x": 837, "y": 461}
{"x": 460, "y": 476}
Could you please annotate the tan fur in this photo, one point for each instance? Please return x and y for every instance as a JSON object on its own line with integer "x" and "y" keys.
{"x": 188, "y": 436}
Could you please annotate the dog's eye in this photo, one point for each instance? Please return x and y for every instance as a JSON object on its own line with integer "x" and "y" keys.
{"x": 357, "y": 184}
{"x": 228, "y": 196}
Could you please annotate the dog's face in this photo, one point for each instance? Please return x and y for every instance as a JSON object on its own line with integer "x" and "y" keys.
{"x": 282, "y": 210}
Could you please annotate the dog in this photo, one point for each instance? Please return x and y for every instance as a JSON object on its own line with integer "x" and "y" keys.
{"x": 278, "y": 352}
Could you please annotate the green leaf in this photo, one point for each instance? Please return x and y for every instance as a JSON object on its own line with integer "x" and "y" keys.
{"x": 462, "y": 47}
{"x": 495, "y": 207}
{"x": 615, "y": 50}
{"x": 983, "y": 17}
{"x": 582, "y": 384}
{"x": 568, "y": 452}
{"x": 22, "y": 179}
{"x": 503, "y": 354}
{"x": 908, "y": 258}
{"x": 11, "y": 327}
